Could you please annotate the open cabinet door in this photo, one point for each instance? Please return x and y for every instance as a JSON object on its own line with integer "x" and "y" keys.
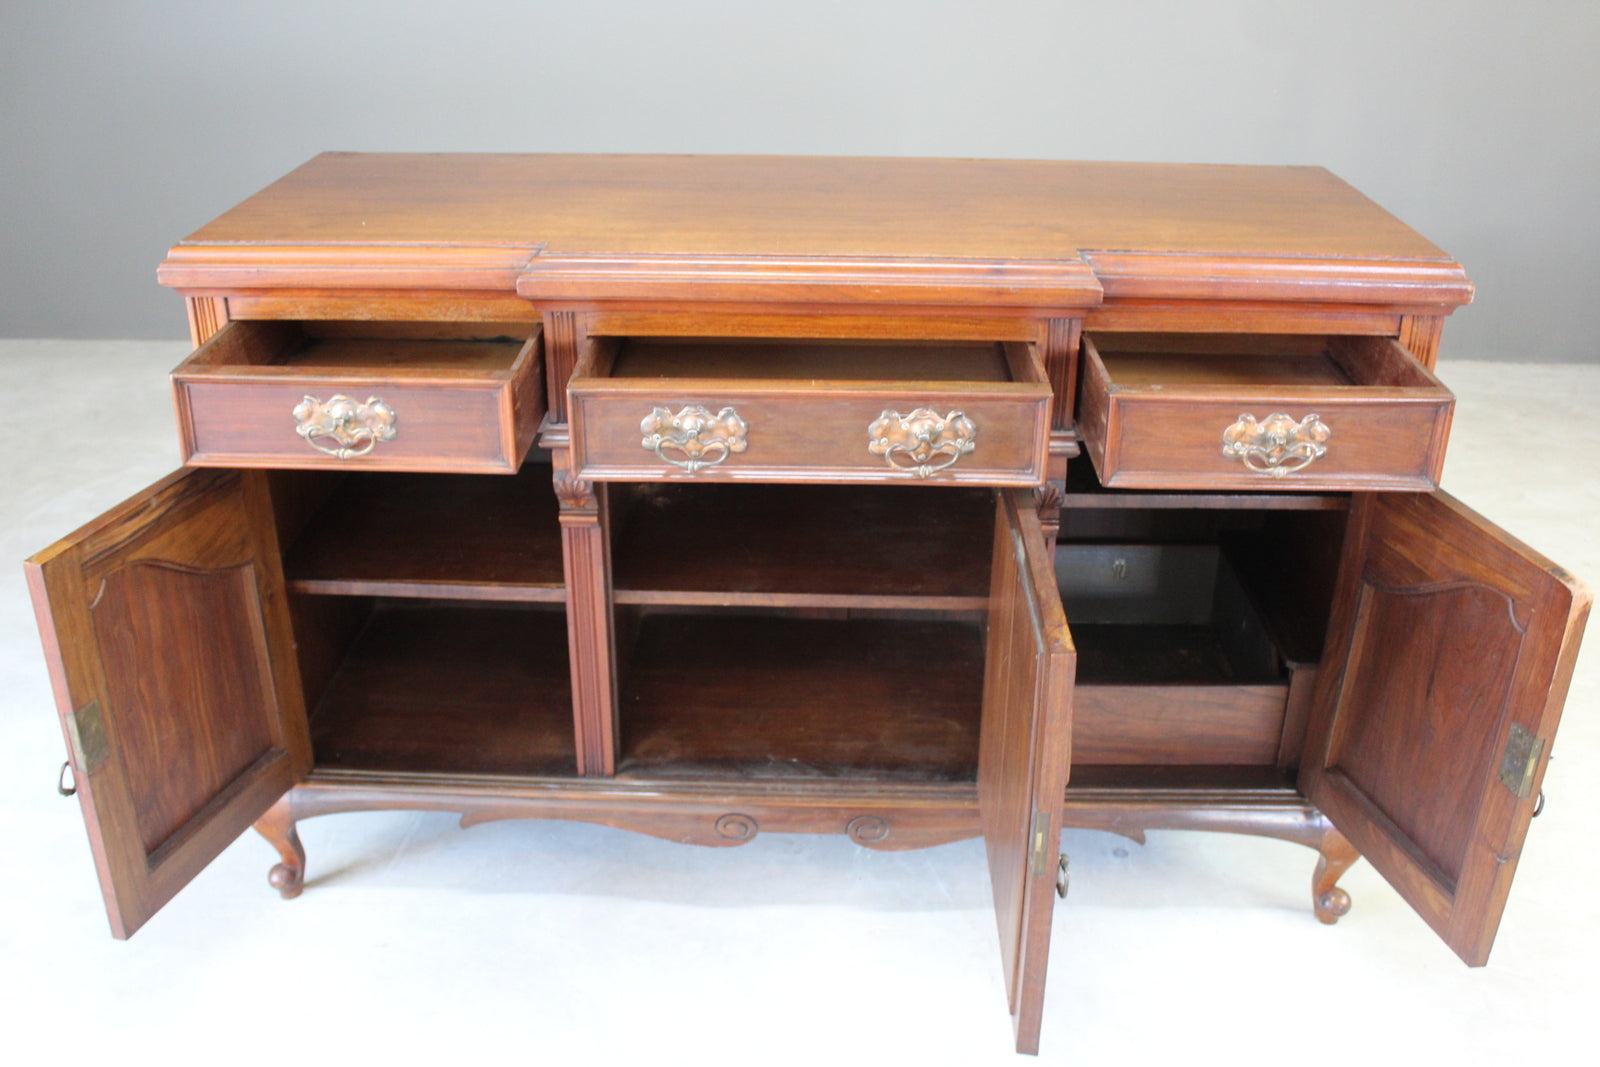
{"x": 1024, "y": 752}
{"x": 1449, "y": 653}
{"x": 168, "y": 639}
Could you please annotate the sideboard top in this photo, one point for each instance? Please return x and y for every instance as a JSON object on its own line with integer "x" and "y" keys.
{"x": 1024, "y": 233}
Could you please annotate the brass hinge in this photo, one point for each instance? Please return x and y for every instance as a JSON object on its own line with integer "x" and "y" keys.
{"x": 1038, "y": 838}
{"x": 1521, "y": 760}
{"x": 87, "y": 729}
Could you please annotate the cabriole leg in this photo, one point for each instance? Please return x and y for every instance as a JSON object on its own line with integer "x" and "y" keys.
{"x": 1336, "y": 854}
{"x": 277, "y": 826}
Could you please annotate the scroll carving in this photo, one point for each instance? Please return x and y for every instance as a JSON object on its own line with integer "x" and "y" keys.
{"x": 736, "y": 827}
{"x": 867, "y": 829}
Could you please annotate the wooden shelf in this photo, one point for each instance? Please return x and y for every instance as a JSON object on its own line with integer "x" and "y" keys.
{"x": 886, "y": 547}
{"x": 453, "y": 536}
{"x": 734, "y": 696}
{"x": 451, "y": 689}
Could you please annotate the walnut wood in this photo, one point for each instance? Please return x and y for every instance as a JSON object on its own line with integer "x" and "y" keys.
{"x": 1236, "y": 316}
{"x": 381, "y": 305}
{"x": 774, "y": 697}
{"x": 586, "y": 559}
{"x": 805, "y": 422}
{"x": 1445, "y": 631}
{"x": 565, "y": 335}
{"x": 1024, "y": 753}
{"x": 1131, "y": 800}
{"x": 207, "y": 316}
{"x": 1058, "y": 345}
{"x": 464, "y": 537}
{"x": 899, "y": 323}
{"x": 1177, "y": 724}
{"x": 1420, "y": 334}
{"x": 887, "y": 816}
{"x": 819, "y": 546}
{"x": 1153, "y": 409}
{"x": 818, "y": 668}
{"x": 966, "y": 232}
{"x": 1337, "y": 854}
{"x": 288, "y": 876}
{"x": 451, "y": 689}
{"x": 169, "y": 613}
{"x": 468, "y": 397}
{"x": 1296, "y": 714}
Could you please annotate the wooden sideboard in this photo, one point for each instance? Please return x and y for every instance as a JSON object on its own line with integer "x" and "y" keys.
{"x": 913, "y": 500}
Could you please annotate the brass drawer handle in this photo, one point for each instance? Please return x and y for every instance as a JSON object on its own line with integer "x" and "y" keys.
{"x": 700, "y": 438}
{"x": 919, "y": 437}
{"x": 1277, "y": 445}
{"x": 354, "y": 429}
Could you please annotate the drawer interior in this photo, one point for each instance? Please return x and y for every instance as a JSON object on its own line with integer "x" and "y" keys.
{"x": 898, "y": 361}
{"x": 1161, "y": 362}
{"x": 375, "y": 346}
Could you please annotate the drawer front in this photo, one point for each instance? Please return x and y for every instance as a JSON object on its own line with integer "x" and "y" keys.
{"x": 788, "y": 432}
{"x": 240, "y": 405}
{"x": 1385, "y": 429}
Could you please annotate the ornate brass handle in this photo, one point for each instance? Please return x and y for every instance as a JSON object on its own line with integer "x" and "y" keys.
{"x": 355, "y": 429}
{"x": 699, "y": 437}
{"x": 919, "y": 437}
{"x": 1277, "y": 445}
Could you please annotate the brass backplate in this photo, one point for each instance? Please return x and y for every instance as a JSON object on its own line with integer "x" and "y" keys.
{"x": 1521, "y": 760}
{"x": 87, "y": 727}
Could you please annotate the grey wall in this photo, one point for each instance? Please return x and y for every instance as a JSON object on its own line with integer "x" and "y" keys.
{"x": 127, "y": 125}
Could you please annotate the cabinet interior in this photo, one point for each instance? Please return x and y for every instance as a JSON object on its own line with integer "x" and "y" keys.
{"x": 793, "y": 632}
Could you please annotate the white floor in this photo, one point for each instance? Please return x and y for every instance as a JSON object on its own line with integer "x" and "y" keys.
{"x": 550, "y": 943}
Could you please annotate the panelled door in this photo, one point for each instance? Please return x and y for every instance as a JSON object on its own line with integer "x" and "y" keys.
{"x": 1450, "y": 648}
{"x": 1024, "y": 751}
{"x": 170, "y": 651}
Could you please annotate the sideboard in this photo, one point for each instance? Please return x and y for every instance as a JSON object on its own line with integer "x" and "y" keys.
{"x": 913, "y": 500}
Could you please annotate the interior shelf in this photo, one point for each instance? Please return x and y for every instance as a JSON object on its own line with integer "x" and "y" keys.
{"x": 451, "y": 689}
{"x": 725, "y": 695}
{"x": 884, "y": 547}
{"x": 454, "y": 536}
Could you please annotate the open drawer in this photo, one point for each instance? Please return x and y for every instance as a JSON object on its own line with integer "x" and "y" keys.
{"x": 1198, "y": 411}
{"x": 919, "y": 412}
{"x": 400, "y": 396}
